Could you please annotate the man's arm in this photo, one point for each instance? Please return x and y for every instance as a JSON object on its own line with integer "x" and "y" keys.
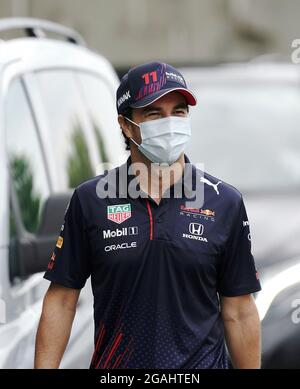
{"x": 242, "y": 331}
{"x": 55, "y": 325}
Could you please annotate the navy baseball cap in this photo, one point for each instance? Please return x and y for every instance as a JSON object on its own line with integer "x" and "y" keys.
{"x": 144, "y": 84}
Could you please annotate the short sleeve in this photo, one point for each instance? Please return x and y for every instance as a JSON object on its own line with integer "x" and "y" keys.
{"x": 70, "y": 261}
{"x": 237, "y": 274}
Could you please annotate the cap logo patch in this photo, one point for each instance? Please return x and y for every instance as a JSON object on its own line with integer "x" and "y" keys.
{"x": 175, "y": 77}
{"x": 123, "y": 98}
{"x": 153, "y": 82}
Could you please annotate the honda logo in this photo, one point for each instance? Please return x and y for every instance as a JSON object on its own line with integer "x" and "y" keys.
{"x": 196, "y": 229}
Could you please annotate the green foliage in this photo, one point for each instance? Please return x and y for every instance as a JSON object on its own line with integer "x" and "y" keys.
{"x": 29, "y": 202}
{"x": 79, "y": 164}
{"x": 100, "y": 143}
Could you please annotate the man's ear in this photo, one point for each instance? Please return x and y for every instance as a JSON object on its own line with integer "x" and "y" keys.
{"x": 125, "y": 126}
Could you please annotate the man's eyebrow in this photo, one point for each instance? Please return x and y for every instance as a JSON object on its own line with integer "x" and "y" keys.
{"x": 181, "y": 105}
{"x": 151, "y": 108}
{"x": 159, "y": 109}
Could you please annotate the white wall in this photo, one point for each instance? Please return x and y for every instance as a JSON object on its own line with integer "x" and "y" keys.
{"x": 178, "y": 31}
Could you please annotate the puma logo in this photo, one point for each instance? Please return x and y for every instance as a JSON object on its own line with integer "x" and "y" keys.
{"x": 215, "y": 186}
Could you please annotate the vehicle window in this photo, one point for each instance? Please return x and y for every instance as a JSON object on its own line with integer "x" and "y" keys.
{"x": 248, "y": 135}
{"x": 100, "y": 101}
{"x": 27, "y": 166}
{"x": 64, "y": 111}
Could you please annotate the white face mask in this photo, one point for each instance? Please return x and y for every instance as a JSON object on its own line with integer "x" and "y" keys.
{"x": 164, "y": 140}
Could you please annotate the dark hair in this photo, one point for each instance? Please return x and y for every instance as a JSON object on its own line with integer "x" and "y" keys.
{"x": 128, "y": 114}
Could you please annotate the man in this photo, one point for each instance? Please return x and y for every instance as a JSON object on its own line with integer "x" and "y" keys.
{"x": 171, "y": 282}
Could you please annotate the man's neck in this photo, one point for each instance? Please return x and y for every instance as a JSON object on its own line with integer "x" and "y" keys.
{"x": 153, "y": 179}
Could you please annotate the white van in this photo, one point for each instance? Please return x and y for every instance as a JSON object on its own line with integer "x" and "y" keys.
{"x": 57, "y": 125}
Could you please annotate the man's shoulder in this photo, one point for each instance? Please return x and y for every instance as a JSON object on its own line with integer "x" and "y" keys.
{"x": 93, "y": 185}
{"x": 89, "y": 185}
{"x": 230, "y": 189}
{"x": 224, "y": 191}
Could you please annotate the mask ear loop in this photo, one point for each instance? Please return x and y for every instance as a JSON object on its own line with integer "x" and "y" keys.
{"x": 131, "y": 121}
{"x": 132, "y": 140}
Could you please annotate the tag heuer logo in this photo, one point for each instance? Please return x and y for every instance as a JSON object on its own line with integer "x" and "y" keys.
{"x": 119, "y": 213}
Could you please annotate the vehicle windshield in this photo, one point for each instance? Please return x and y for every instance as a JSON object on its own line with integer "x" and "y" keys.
{"x": 248, "y": 135}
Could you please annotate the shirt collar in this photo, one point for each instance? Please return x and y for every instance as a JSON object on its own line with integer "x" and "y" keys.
{"x": 186, "y": 185}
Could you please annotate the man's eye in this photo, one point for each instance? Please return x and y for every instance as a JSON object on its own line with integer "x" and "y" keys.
{"x": 180, "y": 112}
{"x": 152, "y": 114}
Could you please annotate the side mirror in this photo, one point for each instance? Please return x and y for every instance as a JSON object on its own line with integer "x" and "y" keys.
{"x": 34, "y": 251}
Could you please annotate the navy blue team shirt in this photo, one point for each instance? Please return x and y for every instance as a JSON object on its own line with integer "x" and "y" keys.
{"x": 157, "y": 272}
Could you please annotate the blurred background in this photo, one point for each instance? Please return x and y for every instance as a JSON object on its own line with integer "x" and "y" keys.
{"x": 192, "y": 32}
{"x": 58, "y": 124}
